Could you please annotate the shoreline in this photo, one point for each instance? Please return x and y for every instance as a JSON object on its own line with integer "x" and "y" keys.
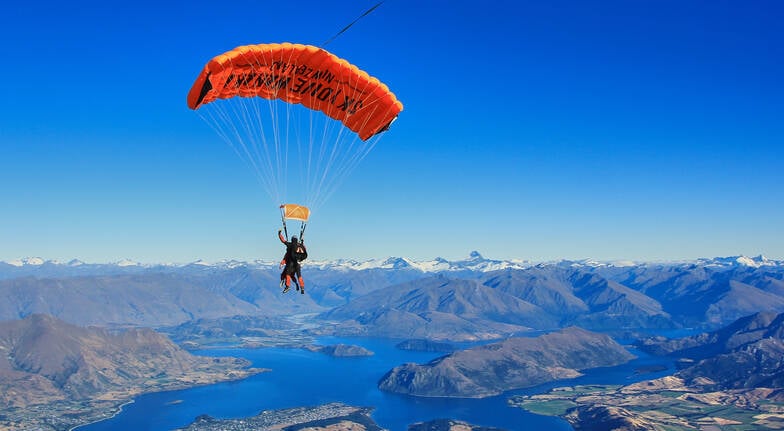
{"x": 119, "y": 410}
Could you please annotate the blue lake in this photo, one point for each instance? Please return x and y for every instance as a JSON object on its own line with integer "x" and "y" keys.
{"x": 303, "y": 378}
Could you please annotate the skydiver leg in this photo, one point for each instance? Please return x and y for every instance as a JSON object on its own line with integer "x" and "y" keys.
{"x": 297, "y": 280}
{"x": 301, "y": 283}
{"x": 288, "y": 271}
{"x": 285, "y": 280}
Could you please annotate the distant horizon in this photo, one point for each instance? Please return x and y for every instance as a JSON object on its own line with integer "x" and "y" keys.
{"x": 65, "y": 261}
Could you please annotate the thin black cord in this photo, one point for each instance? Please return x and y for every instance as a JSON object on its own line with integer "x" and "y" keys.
{"x": 367, "y": 12}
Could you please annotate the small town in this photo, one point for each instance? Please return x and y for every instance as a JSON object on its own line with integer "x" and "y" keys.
{"x": 334, "y": 416}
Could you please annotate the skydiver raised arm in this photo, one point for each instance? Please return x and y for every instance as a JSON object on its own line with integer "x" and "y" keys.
{"x": 295, "y": 252}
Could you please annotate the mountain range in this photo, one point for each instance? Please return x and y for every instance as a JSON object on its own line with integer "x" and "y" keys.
{"x": 438, "y": 308}
{"x": 472, "y": 298}
{"x": 748, "y": 353}
{"x": 475, "y": 262}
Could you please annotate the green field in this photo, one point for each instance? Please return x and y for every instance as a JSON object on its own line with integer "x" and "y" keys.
{"x": 548, "y": 408}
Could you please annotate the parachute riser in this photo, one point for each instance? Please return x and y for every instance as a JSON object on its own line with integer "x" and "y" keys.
{"x": 283, "y": 219}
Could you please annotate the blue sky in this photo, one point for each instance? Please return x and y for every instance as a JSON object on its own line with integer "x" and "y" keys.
{"x": 640, "y": 130}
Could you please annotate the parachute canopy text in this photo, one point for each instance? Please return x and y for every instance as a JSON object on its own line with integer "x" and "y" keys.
{"x": 302, "y": 74}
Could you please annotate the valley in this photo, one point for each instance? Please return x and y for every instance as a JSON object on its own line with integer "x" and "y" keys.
{"x": 487, "y": 327}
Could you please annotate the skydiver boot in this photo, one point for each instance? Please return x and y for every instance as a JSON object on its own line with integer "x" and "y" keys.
{"x": 301, "y": 286}
{"x": 288, "y": 283}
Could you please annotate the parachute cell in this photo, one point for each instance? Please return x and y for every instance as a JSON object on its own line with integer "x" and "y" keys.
{"x": 301, "y": 74}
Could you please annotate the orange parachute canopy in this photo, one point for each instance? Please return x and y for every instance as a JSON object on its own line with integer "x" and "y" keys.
{"x": 299, "y": 74}
{"x": 295, "y": 212}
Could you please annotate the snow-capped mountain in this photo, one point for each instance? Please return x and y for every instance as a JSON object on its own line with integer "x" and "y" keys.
{"x": 27, "y": 261}
{"x": 737, "y": 261}
{"x": 474, "y": 263}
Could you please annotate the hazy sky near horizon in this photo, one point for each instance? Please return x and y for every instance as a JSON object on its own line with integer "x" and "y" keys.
{"x": 642, "y": 130}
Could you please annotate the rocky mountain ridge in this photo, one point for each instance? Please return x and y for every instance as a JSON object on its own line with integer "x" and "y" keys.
{"x": 511, "y": 364}
{"x": 77, "y": 374}
{"x": 52, "y": 359}
{"x": 748, "y": 353}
